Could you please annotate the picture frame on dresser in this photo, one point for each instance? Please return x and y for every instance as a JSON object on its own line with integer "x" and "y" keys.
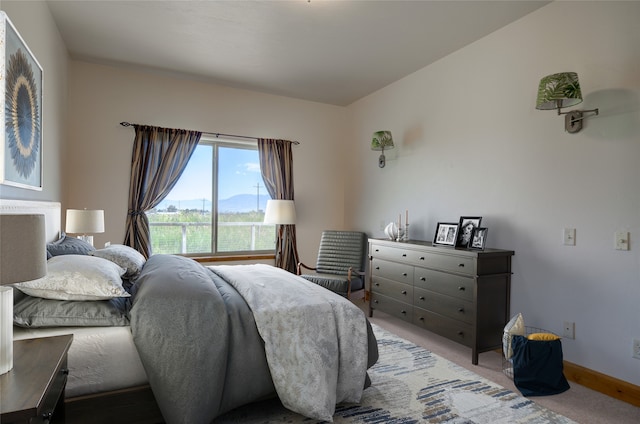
{"x": 478, "y": 238}
{"x": 467, "y": 225}
{"x": 21, "y": 79}
{"x": 446, "y": 234}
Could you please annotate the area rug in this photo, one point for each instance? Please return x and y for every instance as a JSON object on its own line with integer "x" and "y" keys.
{"x": 412, "y": 385}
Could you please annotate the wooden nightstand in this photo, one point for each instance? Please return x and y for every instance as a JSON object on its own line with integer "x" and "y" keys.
{"x": 33, "y": 391}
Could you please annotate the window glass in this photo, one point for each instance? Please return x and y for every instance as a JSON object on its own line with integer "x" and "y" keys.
{"x": 217, "y": 206}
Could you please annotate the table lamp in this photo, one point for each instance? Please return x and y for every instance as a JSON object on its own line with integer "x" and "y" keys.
{"x": 84, "y": 222}
{"x": 23, "y": 257}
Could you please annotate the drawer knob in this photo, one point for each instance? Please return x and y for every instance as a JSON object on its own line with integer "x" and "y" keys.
{"x": 377, "y": 250}
{"x": 423, "y": 279}
{"x": 65, "y": 371}
{"x": 403, "y": 312}
{"x": 461, "y": 265}
{"x": 460, "y": 333}
{"x": 404, "y": 255}
{"x": 461, "y": 288}
{"x": 377, "y": 267}
{"x": 404, "y": 292}
{"x": 422, "y": 258}
{"x": 421, "y": 318}
{"x": 378, "y": 284}
{"x": 375, "y": 301}
{"x": 460, "y": 309}
{"x": 404, "y": 274}
{"x": 46, "y": 416}
{"x": 421, "y": 297}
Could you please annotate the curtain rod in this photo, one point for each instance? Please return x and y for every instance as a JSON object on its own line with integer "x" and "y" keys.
{"x": 127, "y": 124}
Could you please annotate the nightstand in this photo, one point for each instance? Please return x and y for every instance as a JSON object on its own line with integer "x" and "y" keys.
{"x": 33, "y": 391}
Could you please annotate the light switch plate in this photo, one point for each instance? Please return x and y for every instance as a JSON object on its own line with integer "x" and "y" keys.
{"x": 569, "y": 236}
{"x": 622, "y": 240}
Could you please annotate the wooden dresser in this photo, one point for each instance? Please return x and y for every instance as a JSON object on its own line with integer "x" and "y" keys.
{"x": 460, "y": 294}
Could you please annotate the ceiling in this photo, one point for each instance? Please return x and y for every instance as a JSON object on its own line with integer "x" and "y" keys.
{"x": 333, "y": 52}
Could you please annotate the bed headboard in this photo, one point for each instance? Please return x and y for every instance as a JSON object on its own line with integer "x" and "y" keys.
{"x": 50, "y": 210}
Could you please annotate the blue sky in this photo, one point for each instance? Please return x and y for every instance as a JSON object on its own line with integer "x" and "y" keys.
{"x": 239, "y": 173}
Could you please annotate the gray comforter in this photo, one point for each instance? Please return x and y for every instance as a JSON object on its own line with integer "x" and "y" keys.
{"x": 198, "y": 341}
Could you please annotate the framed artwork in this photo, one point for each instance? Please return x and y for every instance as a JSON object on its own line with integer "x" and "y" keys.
{"x": 478, "y": 238}
{"x": 446, "y": 234}
{"x": 21, "y": 109}
{"x": 467, "y": 225}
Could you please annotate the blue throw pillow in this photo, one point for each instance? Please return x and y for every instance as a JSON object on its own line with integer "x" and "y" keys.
{"x": 66, "y": 245}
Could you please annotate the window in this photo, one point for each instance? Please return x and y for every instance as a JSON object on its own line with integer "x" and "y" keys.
{"x": 217, "y": 206}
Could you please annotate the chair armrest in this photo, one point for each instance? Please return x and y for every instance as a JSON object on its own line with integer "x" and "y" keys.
{"x": 301, "y": 265}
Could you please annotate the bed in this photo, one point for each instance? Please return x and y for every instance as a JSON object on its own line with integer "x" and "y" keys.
{"x": 188, "y": 343}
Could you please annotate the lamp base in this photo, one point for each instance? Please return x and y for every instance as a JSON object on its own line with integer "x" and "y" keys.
{"x": 6, "y": 329}
{"x": 88, "y": 239}
{"x": 573, "y": 121}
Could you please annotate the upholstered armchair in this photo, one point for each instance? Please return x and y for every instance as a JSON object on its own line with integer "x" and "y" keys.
{"x": 341, "y": 261}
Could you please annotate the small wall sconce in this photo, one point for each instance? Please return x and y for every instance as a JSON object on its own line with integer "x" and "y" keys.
{"x": 380, "y": 140}
{"x": 559, "y": 91}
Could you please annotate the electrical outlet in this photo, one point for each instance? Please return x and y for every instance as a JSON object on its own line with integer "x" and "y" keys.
{"x": 569, "y": 330}
{"x": 636, "y": 348}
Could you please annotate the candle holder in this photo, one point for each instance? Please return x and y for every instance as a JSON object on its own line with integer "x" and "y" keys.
{"x": 406, "y": 232}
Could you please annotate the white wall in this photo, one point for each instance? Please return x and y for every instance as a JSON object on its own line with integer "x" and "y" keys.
{"x": 469, "y": 141}
{"x": 99, "y": 160}
{"x": 35, "y": 24}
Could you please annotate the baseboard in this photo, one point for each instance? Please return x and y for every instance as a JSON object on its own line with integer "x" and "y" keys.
{"x": 603, "y": 383}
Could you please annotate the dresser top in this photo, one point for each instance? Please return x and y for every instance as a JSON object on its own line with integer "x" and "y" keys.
{"x": 429, "y": 246}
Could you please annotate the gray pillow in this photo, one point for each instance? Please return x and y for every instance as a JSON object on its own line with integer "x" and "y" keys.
{"x": 124, "y": 256}
{"x": 66, "y": 245}
{"x": 37, "y": 312}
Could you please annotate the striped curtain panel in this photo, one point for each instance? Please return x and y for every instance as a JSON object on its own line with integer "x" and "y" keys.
{"x": 158, "y": 159}
{"x": 276, "y": 165}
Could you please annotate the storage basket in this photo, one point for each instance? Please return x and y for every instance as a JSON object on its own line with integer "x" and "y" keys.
{"x": 507, "y": 364}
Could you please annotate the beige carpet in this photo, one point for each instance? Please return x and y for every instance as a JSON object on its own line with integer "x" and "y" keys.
{"x": 578, "y": 403}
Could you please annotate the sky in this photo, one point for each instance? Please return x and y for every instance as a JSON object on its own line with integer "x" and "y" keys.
{"x": 239, "y": 173}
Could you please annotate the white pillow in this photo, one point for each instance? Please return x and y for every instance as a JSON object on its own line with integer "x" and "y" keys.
{"x": 514, "y": 327}
{"x": 127, "y": 257}
{"x": 77, "y": 277}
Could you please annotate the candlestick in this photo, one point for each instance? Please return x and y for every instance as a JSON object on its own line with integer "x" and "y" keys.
{"x": 407, "y": 218}
{"x": 406, "y": 232}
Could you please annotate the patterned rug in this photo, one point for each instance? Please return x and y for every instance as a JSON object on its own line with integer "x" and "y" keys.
{"x": 412, "y": 385}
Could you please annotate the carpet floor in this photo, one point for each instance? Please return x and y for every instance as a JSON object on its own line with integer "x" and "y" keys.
{"x": 413, "y": 385}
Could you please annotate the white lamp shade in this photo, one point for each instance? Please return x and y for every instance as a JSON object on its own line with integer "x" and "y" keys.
{"x": 280, "y": 212}
{"x": 23, "y": 257}
{"x": 83, "y": 221}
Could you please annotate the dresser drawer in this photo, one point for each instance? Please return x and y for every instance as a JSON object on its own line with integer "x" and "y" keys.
{"x": 441, "y": 282}
{"x": 450, "y": 263}
{"x": 394, "y": 289}
{"x": 392, "y": 307}
{"x": 389, "y": 252}
{"x": 452, "y": 329}
{"x": 448, "y": 306}
{"x": 392, "y": 271}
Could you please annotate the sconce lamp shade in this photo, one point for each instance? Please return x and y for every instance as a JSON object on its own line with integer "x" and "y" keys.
{"x": 83, "y": 221}
{"x": 280, "y": 212}
{"x": 557, "y": 91}
{"x": 382, "y": 140}
{"x": 23, "y": 257}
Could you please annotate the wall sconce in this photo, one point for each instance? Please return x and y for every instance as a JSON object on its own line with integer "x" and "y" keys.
{"x": 83, "y": 221}
{"x": 563, "y": 90}
{"x": 380, "y": 140}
